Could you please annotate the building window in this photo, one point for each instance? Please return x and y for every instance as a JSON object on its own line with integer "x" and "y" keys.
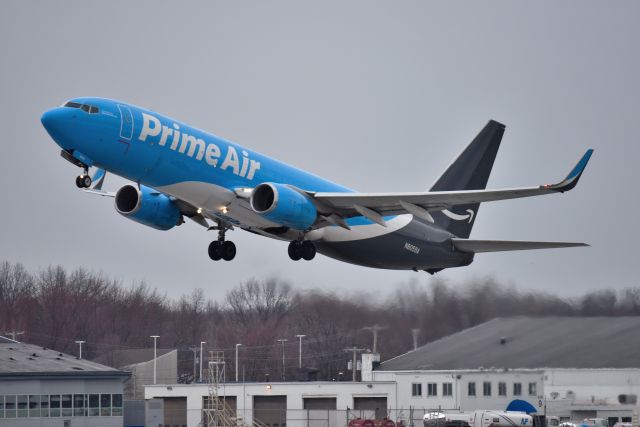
{"x": 34, "y": 406}
{"x": 105, "y": 405}
{"x": 10, "y": 406}
{"x": 78, "y": 405}
{"x": 486, "y": 388}
{"x": 517, "y": 389}
{"x": 94, "y": 405}
{"x": 532, "y": 389}
{"x": 54, "y": 405}
{"x": 416, "y": 390}
{"x": 447, "y": 389}
{"x": 502, "y": 389}
{"x": 432, "y": 389}
{"x": 23, "y": 405}
{"x": 116, "y": 409}
{"x": 44, "y": 405}
{"x": 67, "y": 405}
{"x": 471, "y": 389}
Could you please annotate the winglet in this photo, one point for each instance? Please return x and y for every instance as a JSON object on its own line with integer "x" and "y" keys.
{"x": 572, "y": 179}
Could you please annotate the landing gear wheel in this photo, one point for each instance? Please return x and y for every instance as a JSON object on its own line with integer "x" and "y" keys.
{"x": 308, "y": 250}
{"x": 215, "y": 251}
{"x": 295, "y": 250}
{"x": 83, "y": 181}
{"x": 228, "y": 250}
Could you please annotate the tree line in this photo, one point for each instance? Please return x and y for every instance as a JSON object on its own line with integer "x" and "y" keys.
{"x": 55, "y": 306}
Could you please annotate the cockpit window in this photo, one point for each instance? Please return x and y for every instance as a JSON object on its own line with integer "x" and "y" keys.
{"x": 84, "y": 107}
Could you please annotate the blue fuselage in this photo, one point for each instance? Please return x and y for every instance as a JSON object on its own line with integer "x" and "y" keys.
{"x": 207, "y": 171}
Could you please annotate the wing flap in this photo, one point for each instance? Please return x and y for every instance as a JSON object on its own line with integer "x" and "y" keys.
{"x": 477, "y": 246}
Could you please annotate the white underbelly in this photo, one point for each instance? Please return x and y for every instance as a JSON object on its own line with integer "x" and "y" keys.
{"x": 222, "y": 203}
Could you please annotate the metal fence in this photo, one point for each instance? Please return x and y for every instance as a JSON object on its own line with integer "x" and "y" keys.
{"x": 406, "y": 417}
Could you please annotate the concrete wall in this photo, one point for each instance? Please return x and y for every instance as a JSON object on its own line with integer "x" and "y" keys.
{"x": 142, "y": 374}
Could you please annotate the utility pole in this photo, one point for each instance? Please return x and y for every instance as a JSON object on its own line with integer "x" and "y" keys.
{"x": 80, "y": 352}
{"x": 414, "y": 334}
{"x": 374, "y": 329}
{"x": 355, "y": 351}
{"x": 155, "y": 356}
{"x": 237, "y": 346}
{"x": 300, "y": 350}
{"x": 14, "y": 334}
{"x": 195, "y": 351}
{"x": 283, "y": 340}
{"x": 201, "y": 343}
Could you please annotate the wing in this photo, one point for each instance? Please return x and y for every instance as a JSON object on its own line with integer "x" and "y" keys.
{"x": 337, "y": 206}
{"x": 476, "y": 246}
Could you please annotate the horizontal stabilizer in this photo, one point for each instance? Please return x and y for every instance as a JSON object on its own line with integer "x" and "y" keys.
{"x": 475, "y": 246}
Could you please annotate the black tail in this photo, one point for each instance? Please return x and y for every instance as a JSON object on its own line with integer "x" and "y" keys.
{"x": 470, "y": 171}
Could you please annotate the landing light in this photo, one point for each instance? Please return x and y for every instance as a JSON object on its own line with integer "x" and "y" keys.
{"x": 224, "y": 210}
{"x": 199, "y": 211}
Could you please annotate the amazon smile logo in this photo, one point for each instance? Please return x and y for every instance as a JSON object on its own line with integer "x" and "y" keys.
{"x": 457, "y": 217}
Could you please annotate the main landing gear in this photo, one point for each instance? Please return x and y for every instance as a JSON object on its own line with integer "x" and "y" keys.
{"x": 221, "y": 248}
{"x": 84, "y": 180}
{"x": 302, "y": 249}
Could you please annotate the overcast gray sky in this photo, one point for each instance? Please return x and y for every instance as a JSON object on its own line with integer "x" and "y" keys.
{"x": 378, "y": 96}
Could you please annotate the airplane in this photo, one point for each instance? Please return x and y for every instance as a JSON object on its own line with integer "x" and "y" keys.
{"x": 179, "y": 171}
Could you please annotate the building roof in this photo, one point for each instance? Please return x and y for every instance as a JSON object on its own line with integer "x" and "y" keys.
{"x": 131, "y": 356}
{"x": 531, "y": 343}
{"x": 26, "y": 360}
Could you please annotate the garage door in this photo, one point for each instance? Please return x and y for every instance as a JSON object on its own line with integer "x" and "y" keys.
{"x": 175, "y": 411}
{"x": 230, "y": 403}
{"x": 321, "y": 412}
{"x": 324, "y": 403}
{"x": 270, "y": 410}
{"x": 371, "y": 407}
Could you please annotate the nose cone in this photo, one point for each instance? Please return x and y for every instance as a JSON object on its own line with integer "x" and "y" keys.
{"x": 54, "y": 122}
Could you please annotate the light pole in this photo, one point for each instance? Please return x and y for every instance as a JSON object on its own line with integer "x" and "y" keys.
{"x": 80, "y": 344}
{"x": 201, "y": 343}
{"x": 155, "y": 354}
{"x": 237, "y": 345}
{"x": 195, "y": 352}
{"x": 300, "y": 350}
{"x": 283, "y": 340}
{"x": 414, "y": 334}
{"x": 374, "y": 330}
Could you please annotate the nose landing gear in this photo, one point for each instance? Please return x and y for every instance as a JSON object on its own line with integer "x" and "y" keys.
{"x": 302, "y": 250}
{"x": 83, "y": 180}
{"x": 221, "y": 248}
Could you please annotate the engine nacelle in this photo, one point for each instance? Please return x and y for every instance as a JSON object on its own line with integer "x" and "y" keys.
{"x": 147, "y": 207}
{"x": 284, "y": 205}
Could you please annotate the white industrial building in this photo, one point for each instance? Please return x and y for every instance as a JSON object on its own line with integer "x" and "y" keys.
{"x": 40, "y": 387}
{"x": 280, "y": 404}
{"x": 571, "y": 367}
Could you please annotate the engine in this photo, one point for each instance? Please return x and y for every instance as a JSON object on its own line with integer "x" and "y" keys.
{"x": 284, "y": 205}
{"x": 148, "y": 207}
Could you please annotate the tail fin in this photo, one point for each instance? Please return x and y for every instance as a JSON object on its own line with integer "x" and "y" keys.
{"x": 470, "y": 171}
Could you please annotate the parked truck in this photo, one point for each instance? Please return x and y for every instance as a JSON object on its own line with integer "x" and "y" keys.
{"x": 478, "y": 419}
